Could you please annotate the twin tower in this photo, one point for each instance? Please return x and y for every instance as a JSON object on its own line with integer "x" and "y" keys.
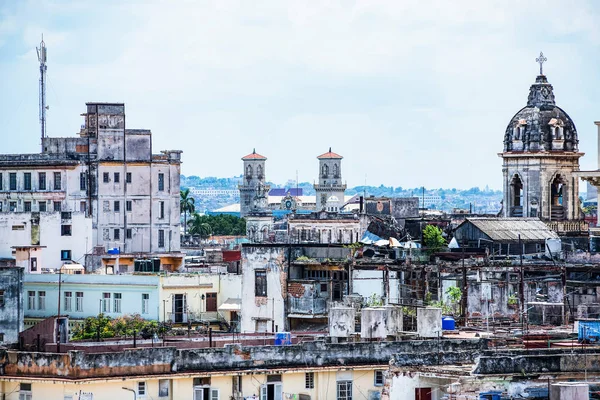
{"x": 254, "y": 190}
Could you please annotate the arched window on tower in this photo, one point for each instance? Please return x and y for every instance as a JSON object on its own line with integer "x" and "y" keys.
{"x": 259, "y": 172}
{"x": 336, "y": 171}
{"x": 516, "y": 201}
{"x": 324, "y": 171}
{"x": 557, "y": 211}
{"x": 249, "y": 172}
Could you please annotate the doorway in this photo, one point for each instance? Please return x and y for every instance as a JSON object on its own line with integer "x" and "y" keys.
{"x": 211, "y": 302}
{"x": 179, "y": 308}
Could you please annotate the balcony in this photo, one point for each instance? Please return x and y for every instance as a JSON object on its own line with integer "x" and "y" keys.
{"x": 569, "y": 227}
{"x": 308, "y": 306}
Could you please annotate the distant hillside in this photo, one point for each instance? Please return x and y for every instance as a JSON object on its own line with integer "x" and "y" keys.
{"x": 481, "y": 200}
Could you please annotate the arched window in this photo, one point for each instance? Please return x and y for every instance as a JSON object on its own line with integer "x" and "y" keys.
{"x": 259, "y": 172}
{"x": 516, "y": 206}
{"x": 557, "y": 211}
{"x": 249, "y": 171}
{"x": 336, "y": 171}
{"x": 325, "y": 171}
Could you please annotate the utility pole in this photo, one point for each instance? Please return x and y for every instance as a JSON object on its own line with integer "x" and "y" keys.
{"x": 42, "y": 58}
{"x": 58, "y": 313}
{"x": 464, "y": 294}
{"x": 522, "y": 289}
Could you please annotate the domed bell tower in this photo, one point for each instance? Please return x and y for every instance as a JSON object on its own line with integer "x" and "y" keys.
{"x": 540, "y": 158}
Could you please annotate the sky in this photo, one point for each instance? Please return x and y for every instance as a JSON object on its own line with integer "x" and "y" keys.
{"x": 411, "y": 93}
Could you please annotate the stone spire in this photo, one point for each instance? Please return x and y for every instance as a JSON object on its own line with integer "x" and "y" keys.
{"x": 541, "y": 93}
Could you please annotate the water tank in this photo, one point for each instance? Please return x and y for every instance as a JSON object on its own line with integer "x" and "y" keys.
{"x": 283, "y": 338}
{"x": 448, "y": 324}
{"x": 429, "y": 322}
{"x": 341, "y": 321}
{"x": 373, "y": 323}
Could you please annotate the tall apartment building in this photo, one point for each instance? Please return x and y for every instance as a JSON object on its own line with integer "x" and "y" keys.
{"x": 109, "y": 174}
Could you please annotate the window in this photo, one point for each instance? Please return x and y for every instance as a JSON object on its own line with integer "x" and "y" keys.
{"x": 79, "y": 301}
{"x": 344, "y": 390}
{"x": 117, "y": 177}
{"x": 41, "y": 181}
{"x": 309, "y": 380}
{"x": 260, "y": 283}
{"x": 117, "y": 234}
{"x": 57, "y": 206}
{"x": 128, "y": 177}
{"x": 65, "y": 230}
{"x": 41, "y": 300}
{"x": 68, "y": 301}
{"x": 31, "y": 300}
{"x": 1, "y": 181}
{"x": 25, "y": 391}
{"x": 163, "y": 387}
{"x": 117, "y": 302}
{"x": 105, "y": 177}
{"x": 128, "y": 205}
{"x": 117, "y": 206}
{"x": 141, "y": 389}
{"x": 105, "y": 302}
{"x": 145, "y": 303}
{"x": 161, "y": 238}
{"x": 161, "y": 210}
{"x": 33, "y": 265}
{"x": 12, "y": 206}
{"x": 378, "y": 378}
{"x": 42, "y": 206}
{"x": 27, "y": 181}
{"x": 161, "y": 182}
{"x": 106, "y": 205}
{"x": 65, "y": 255}
{"x": 82, "y": 181}
{"x": 12, "y": 181}
{"x": 57, "y": 181}
{"x": 0, "y": 206}
{"x": 128, "y": 233}
{"x": 1, "y": 298}
{"x": 27, "y": 206}
{"x": 82, "y": 206}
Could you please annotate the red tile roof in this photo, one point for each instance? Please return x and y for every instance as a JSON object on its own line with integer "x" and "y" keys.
{"x": 330, "y": 154}
{"x": 254, "y": 156}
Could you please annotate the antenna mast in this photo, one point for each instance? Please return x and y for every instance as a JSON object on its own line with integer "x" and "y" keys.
{"x": 41, "y": 53}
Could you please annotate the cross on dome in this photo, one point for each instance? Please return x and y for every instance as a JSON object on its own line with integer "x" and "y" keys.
{"x": 541, "y": 60}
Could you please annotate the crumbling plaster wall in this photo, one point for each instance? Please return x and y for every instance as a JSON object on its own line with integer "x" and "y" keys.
{"x": 11, "y": 311}
{"x": 270, "y": 308}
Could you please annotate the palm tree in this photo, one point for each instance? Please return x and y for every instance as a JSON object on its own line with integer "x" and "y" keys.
{"x": 186, "y": 205}
{"x": 199, "y": 226}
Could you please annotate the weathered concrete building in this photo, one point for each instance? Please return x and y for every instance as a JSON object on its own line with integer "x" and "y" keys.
{"x": 11, "y": 304}
{"x": 326, "y": 227}
{"x": 311, "y": 370}
{"x": 540, "y": 158}
{"x": 108, "y": 173}
{"x": 46, "y": 239}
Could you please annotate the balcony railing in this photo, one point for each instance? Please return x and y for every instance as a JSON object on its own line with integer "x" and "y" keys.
{"x": 564, "y": 227}
{"x": 306, "y": 305}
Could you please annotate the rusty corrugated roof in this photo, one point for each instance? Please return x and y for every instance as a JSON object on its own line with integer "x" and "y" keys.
{"x": 509, "y": 229}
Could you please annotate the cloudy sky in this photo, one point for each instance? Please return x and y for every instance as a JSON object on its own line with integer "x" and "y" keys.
{"x": 411, "y": 93}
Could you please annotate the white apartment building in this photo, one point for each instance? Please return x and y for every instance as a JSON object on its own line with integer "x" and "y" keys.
{"x": 109, "y": 174}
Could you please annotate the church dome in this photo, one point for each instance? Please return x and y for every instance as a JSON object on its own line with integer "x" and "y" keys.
{"x": 541, "y": 125}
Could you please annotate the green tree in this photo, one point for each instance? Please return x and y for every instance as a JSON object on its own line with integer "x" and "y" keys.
{"x": 222, "y": 224}
{"x": 433, "y": 239}
{"x": 186, "y": 205}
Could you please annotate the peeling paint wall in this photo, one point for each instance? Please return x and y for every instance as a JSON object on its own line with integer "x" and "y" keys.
{"x": 263, "y": 313}
{"x": 11, "y": 307}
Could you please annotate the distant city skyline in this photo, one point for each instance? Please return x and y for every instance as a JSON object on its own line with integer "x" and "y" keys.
{"x": 410, "y": 94}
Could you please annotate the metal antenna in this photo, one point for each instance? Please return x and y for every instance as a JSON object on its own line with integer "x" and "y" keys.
{"x": 42, "y": 58}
